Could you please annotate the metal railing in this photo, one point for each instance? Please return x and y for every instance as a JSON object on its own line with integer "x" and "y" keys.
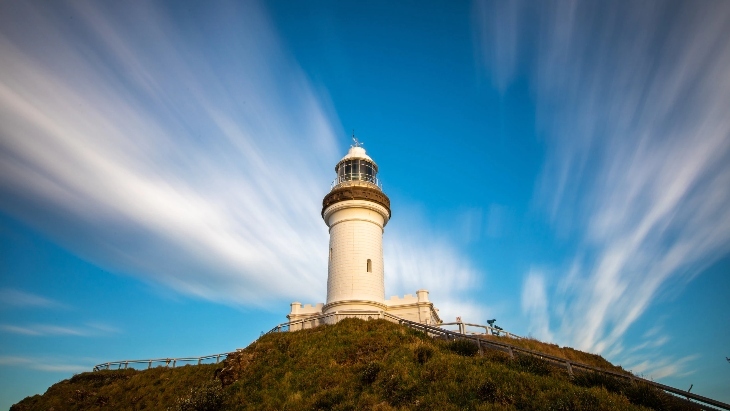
{"x": 355, "y": 177}
{"x": 702, "y": 402}
{"x": 311, "y": 322}
{"x": 159, "y": 362}
{"x": 488, "y": 330}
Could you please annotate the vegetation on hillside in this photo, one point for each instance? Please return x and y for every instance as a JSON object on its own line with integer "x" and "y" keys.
{"x": 557, "y": 351}
{"x": 159, "y": 388}
{"x": 358, "y": 365}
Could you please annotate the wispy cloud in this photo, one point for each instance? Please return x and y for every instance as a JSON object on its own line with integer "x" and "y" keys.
{"x": 633, "y": 100}
{"x": 535, "y": 305}
{"x": 35, "y": 363}
{"x": 102, "y": 328}
{"x": 154, "y": 157}
{"x": 18, "y": 298}
{"x": 42, "y": 330}
{"x": 417, "y": 256}
{"x": 657, "y": 367}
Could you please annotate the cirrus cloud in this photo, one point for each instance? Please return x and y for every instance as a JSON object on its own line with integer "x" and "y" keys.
{"x": 632, "y": 99}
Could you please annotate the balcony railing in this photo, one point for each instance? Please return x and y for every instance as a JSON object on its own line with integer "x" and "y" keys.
{"x": 355, "y": 177}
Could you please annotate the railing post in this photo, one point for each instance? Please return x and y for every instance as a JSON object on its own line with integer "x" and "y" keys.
{"x": 150, "y": 365}
{"x": 174, "y": 362}
{"x": 569, "y": 367}
{"x": 199, "y": 360}
{"x": 217, "y": 357}
{"x": 511, "y": 354}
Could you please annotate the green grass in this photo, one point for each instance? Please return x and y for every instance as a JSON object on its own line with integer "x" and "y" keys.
{"x": 356, "y": 365}
{"x": 154, "y": 389}
{"x": 557, "y": 351}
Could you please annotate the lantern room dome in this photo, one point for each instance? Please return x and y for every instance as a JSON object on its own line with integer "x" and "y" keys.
{"x": 356, "y": 152}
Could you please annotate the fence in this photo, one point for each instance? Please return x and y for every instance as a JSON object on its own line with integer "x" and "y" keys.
{"x": 704, "y": 402}
{"x": 487, "y": 329}
{"x": 163, "y": 362}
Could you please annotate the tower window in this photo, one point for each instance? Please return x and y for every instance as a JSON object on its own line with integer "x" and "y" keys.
{"x": 370, "y": 266}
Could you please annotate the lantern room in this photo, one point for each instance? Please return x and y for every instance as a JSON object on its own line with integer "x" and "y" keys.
{"x": 356, "y": 166}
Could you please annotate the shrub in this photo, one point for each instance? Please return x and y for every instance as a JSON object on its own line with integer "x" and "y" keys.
{"x": 593, "y": 379}
{"x": 208, "y": 397}
{"x": 398, "y": 386}
{"x": 488, "y": 391}
{"x": 328, "y": 399}
{"x": 533, "y": 365}
{"x": 467, "y": 348}
{"x": 423, "y": 353}
{"x": 101, "y": 378}
{"x": 370, "y": 373}
{"x": 648, "y": 396}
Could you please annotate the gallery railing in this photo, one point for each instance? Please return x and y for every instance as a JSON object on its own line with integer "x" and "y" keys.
{"x": 355, "y": 177}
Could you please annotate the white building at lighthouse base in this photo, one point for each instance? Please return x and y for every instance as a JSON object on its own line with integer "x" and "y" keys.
{"x": 416, "y": 308}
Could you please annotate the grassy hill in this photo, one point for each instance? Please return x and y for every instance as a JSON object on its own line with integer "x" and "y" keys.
{"x": 358, "y": 365}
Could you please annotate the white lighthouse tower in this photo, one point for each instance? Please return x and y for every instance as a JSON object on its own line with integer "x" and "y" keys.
{"x": 356, "y": 210}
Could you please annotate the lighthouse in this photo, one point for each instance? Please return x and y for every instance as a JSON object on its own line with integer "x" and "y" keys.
{"x": 356, "y": 211}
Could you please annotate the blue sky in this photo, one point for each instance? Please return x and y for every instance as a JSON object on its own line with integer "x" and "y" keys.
{"x": 562, "y": 167}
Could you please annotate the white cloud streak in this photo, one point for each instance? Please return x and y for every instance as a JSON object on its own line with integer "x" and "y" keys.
{"x": 634, "y": 101}
{"x": 48, "y": 365}
{"x": 45, "y": 330}
{"x": 418, "y": 257}
{"x": 22, "y": 299}
{"x": 535, "y": 305}
{"x": 152, "y": 159}
{"x": 191, "y": 152}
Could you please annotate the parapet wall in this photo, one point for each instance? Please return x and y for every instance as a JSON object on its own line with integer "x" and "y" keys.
{"x": 414, "y": 308}
{"x": 406, "y": 299}
{"x": 299, "y": 311}
{"x": 420, "y": 297}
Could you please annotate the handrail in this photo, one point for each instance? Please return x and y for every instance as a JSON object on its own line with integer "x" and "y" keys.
{"x": 166, "y": 361}
{"x": 356, "y": 177}
{"x": 569, "y": 364}
{"x": 487, "y": 328}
